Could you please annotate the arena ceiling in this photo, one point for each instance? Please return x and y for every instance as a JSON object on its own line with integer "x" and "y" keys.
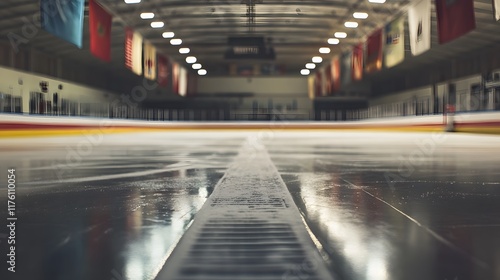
{"x": 296, "y": 29}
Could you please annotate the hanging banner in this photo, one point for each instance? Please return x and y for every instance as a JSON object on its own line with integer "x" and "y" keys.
{"x": 133, "y": 51}
{"x": 374, "y": 52}
{"x": 394, "y": 48}
{"x": 357, "y": 62}
{"x": 183, "y": 81}
{"x": 318, "y": 83}
{"x": 310, "y": 86}
{"x": 100, "y": 31}
{"x": 175, "y": 77}
{"x": 335, "y": 66}
{"x": 455, "y": 19}
{"x": 149, "y": 61}
{"x": 163, "y": 73}
{"x": 328, "y": 80}
{"x": 419, "y": 22}
{"x": 346, "y": 71}
{"x": 63, "y": 19}
{"x": 496, "y": 9}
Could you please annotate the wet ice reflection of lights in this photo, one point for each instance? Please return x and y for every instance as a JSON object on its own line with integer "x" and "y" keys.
{"x": 348, "y": 235}
{"x": 377, "y": 269}
{"x": 134, "y": 268}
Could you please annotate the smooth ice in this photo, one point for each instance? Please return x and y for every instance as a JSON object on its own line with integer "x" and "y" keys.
{"x": 380, "y": 205}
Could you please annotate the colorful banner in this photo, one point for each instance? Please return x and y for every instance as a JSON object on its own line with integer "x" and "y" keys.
{"x": 63, "y": 19}
{"x": 163, "y": 72}
{"x": 374, "y": 52}
{"x": 346, "y": 72}
{"x": 183, "y": 81}
{"x": 149, "y": 61}
{"x": 496, "y": 9}
{"x": 419, "y": 22}
{"x": 310, "y": 86}
{"x": 133, "y": 51}
{"x": 100, "y": 31}
{"x": 455, "y": 19}
{"x": 357, "y": 62}
{"x": 394, "y": 49}
{"x": 335, "y": 66}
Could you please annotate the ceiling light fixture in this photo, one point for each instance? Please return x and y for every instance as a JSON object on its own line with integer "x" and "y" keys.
{"x": 175, "y": 42}
{"x": 310, "y": 66}
{"x": 147, "y": 15}
{"x": 305, "y": 72}
{"x": 196, "y": 66}
{"x": 184, "y": 50}
{"x": 340, "y": 35}
{"x": 157, "y": 24}
{"x": 317, "y": 59}
{"x": 324, "y": 50}
{"x": 360, "y": 15}
{"x": 190, "y": 59}
{"x": 351, "y": 24}
{"x": 168, "y": 34}
{"x": 132, "y": 1}
{"x": 333, "y": 41}
{"x": 377, "y": 1}
{"x": 202, "y": 72}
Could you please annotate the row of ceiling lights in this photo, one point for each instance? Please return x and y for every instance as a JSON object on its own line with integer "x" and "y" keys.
{"x": 335, "y": 41}
{"x": 173, "y": 41}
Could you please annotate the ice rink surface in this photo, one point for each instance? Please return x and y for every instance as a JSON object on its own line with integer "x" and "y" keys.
{"x": 382, "y": 205}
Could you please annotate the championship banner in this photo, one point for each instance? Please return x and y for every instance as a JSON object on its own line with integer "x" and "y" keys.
{"x": 394, "y": 49}
{"x": 149, "y": 61}
{"x": 496, "y": 9}
{"x": 310, "y": 86}
{"x": 455, "y": 19}
{"x": 133, "y": 51}
{"x": 419, "y": 22}
{"x": 357, "y": 62}
{"x": 64, "y": 19}
{"x": 163, "y": 73}
{"x": 374, "y": 52}
{"x": 346, "y": 72}
{"x": 335, "y": 66}
{"x": 100, "y": 31}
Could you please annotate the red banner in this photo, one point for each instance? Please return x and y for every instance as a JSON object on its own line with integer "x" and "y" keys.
{"x": 357, "y": 62}
{"x": 455, "y": 19}
{"x": 374, "y": 52}
{"x": 100, "y": 31}
{"x": 163, "y": 72}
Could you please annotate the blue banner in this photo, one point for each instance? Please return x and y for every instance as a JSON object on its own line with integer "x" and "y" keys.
{"x": 64, "y": 19}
